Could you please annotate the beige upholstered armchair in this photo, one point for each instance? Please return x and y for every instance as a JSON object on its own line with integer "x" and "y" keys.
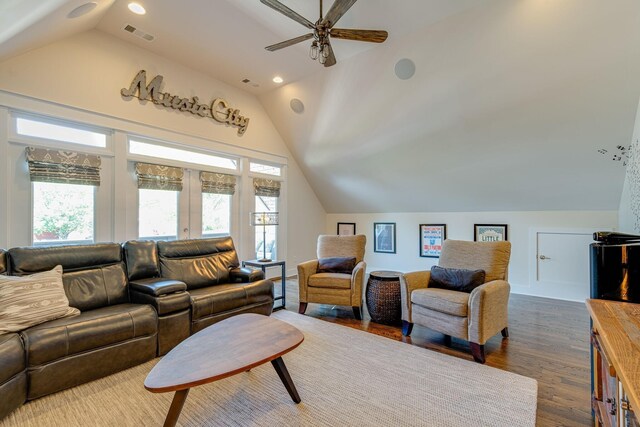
{"x": 475, "y": 316}
{"x": 334, "y": 288}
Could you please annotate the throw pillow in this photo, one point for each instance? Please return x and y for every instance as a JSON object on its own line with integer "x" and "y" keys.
{"x": 30, "y": 300}
{"x": 456, "y": 279}
{"x": 336, "y": 265}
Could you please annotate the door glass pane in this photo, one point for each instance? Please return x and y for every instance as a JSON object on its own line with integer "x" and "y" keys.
{"x": 216, "y": 214}
{"x": 62, "y": 213}
{"x": 158, "y": 214}
{"x": 266, "y": 204}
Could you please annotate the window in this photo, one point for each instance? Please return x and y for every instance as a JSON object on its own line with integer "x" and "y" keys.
{"x": 157, "y": 214}
{"x": 41, "y": 129}
{"x": 62, "y": 213}
{"x": 265, "y": 169}
{"x": 266, "y": 204}
{"x": 216, "y": 214}
{"x": 164, "y": 152}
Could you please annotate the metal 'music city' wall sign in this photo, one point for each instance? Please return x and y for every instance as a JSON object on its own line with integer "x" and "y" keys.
{"x": 219, "y": 110}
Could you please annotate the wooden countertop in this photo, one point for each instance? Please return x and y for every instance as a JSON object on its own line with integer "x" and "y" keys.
{"x": 618, "y": 325}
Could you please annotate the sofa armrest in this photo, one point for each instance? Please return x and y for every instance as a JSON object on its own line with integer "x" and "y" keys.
{"x": 245, "y": 275}
{"x": 488, "y": 310}
{"x": 157, "y": 286}
{"x": 409, "y": 282}
{"x": 305, "y": 270}
{"x": 357, "y": 283}
{"x": 165, "y": 295}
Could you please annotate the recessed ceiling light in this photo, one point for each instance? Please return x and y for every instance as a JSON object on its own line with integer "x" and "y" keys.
{"x": 277, "y": 79}
{"x": 137, "y": 8}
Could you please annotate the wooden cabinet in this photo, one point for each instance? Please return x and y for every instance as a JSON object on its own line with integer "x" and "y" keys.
{"x": 615, "y": 362}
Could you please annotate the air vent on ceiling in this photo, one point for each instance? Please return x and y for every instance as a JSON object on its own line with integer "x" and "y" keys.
{"x": 247, "y": 81}
{"x": 138, "y": 32}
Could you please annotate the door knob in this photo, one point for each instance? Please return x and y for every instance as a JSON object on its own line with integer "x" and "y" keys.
{"x": 542, "y": 257}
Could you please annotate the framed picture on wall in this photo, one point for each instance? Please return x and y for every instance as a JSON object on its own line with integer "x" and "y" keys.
{"x": 431, "y": 238}
{"x": 384, "y": 237}
{"x": 346, "y": 229}
{"x": 489, "y": 232}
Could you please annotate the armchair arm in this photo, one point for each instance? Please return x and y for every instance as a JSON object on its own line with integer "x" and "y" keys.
{"x": 409, "y": 282}
{"x": 357, "y": 281}
{"x": 305, "y": 270}
{"x": 488, "y": 310}
{"x": 157, "y": 286}
{"x": 245, "y": 275}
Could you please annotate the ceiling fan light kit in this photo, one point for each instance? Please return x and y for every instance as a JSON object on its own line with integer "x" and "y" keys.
{"x": 323, "y": 31}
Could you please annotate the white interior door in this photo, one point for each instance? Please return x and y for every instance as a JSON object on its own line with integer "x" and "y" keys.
{"x": 561, "y": 264}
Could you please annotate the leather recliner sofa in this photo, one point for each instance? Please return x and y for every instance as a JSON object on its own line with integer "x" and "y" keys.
{"x": 13, "y": 374}
{"x": 137, "y": 300}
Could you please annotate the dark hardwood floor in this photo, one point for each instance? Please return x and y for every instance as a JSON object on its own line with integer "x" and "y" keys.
{"x": 549, "y": 341}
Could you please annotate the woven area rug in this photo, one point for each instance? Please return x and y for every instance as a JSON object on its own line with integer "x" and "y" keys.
{"x": 345, "y": 377}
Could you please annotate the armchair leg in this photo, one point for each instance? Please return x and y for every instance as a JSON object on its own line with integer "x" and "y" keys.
{"x": 505, "y": 332}
{"x": 447, "y": 340}
{"x": 478, "y": 352}
{"x": 302, "y": 307}
{"x": 356, "y": 313}
{"x": 407, "y": 327}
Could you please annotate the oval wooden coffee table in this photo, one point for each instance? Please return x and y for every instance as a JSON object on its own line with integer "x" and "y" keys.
{"x": 226, "y": 348}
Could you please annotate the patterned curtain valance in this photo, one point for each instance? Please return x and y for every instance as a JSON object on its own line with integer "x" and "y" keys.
{"x": 218, "y": 183}
{"x": 67, "y": 167}
{"x": 159, "y": 177}
{"x": 266, "y": 187}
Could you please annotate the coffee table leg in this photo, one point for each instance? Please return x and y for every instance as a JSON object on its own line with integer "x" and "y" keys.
{"x": 281, "y": 369}
{"x": 176, "y": 408}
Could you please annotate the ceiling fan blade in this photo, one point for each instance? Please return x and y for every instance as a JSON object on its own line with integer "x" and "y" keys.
{"x": 276, "y": 5}
{"x": 331, "y": 59}
{"x": 374, "y": 36}
{"x": 338, "y": 9}
{"x": 289, "y": 42}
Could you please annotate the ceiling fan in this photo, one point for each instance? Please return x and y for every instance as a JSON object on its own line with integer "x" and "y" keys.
{"x": 323, "y": 30}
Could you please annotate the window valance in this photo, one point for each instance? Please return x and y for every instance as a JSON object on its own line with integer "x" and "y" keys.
{"x": 266, "y": 187}
{"x": 218, "y": 183}
{"x": 159, "y": 177}
{"x": 67, "y": 167}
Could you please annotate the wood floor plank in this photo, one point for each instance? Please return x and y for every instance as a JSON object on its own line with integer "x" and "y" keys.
{"x": 549, "y": 341}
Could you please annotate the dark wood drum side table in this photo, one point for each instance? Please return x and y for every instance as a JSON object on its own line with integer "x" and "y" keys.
{"x": 383, "y": 297}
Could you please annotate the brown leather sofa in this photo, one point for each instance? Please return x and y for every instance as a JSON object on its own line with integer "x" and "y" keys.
{"x": 137, "y": 300}
{"x": 13, "y": 374}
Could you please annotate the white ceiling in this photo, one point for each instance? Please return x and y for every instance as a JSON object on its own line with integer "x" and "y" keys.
{"x": 506, "y": 111}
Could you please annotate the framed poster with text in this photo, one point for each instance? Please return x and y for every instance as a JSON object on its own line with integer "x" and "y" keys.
{"x": 431, "y": 238}
{"x": 489, "y": 232}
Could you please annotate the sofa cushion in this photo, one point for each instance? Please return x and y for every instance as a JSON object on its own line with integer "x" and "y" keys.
{"x": 442, "y": 300}
{"x": 94, "y": 275}
{"x": 336, "y": 265}
{"x": 330, "y": 280}
{"x": 198, "y": 262}
{"x": 455, "y": 279}
{"x": 11, "y": 356}
{"x": 90, "y": 330}
{"x": 141, "y": 257}
{"x": 217, "y": 299}
{"x": 30, "y": 300}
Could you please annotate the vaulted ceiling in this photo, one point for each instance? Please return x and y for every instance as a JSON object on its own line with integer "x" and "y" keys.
{"x": 508, "y": 107}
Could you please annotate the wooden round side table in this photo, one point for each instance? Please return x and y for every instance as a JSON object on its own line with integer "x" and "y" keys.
{"x": 383, "y": 297}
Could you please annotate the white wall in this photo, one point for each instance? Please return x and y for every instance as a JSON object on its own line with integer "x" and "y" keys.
{"x": 629, "y": 211}
{"x": 460, "y": 227}
{"x": 87, "y": 71}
